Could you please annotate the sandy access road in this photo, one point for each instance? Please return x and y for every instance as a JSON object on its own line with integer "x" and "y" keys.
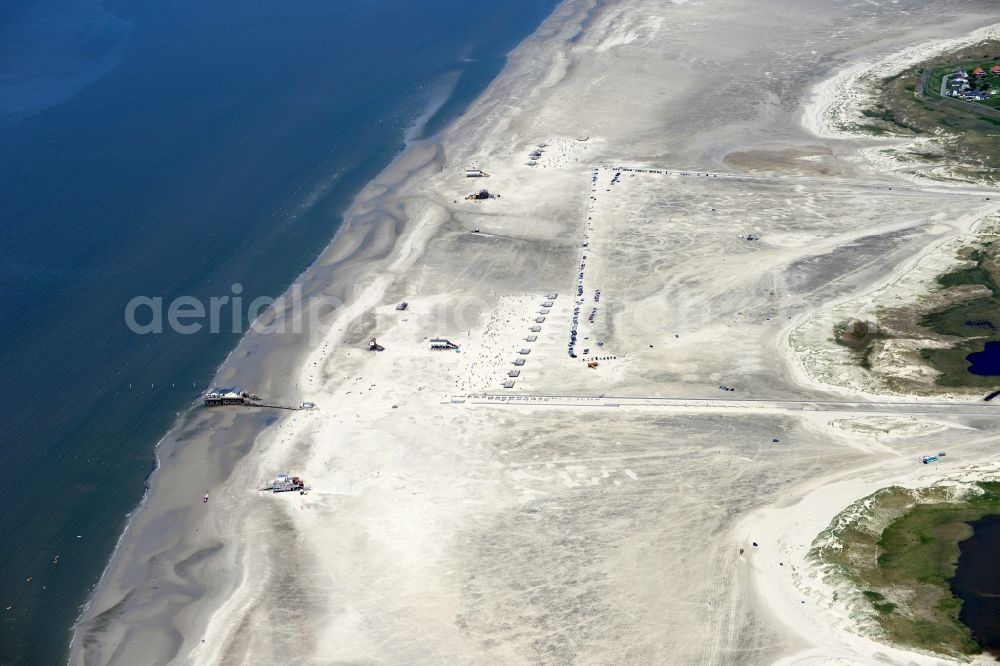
{"x": 442, "y": 529}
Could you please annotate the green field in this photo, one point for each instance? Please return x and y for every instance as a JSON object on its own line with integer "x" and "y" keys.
{"x": 900, "y": 551}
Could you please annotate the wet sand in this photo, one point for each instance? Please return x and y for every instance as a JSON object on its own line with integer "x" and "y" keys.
{"x": 441, "y": 529}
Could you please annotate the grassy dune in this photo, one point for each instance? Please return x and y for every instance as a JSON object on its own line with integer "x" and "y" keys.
{"x": 977, "y": 319}
{"x": 899, "y": 547}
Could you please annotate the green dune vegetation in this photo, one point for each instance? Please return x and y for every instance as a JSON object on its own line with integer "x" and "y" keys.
{"x": 910, "y": 103}
{"x": 923, "y": 101}
{"x": 897, "y": 549}
{"x": 976, "y": 320}
{"x": 961, "y": 321}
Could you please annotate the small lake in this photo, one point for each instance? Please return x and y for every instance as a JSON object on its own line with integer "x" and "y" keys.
{"x": 977, "y": 583}
{"x": 987, "y": 362}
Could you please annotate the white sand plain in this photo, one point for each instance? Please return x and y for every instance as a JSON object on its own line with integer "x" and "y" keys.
{"x": 593, "y": 515}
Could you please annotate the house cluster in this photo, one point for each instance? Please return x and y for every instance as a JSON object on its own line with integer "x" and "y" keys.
{"x": 977, "y": 86}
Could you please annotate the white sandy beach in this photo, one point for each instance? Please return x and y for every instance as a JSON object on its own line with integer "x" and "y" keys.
{"x": 586, "y": 514}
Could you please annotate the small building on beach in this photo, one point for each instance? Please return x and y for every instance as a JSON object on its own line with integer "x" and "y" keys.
{"x": 233, "y": 395}
{"x": 441, "y": 344}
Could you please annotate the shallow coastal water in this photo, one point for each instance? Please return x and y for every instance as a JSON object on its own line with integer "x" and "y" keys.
{"x": 977, "y": 583}
{"x": 168, "y": 150}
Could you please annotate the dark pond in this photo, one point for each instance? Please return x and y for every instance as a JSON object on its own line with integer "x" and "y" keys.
{"x": 977, "y": 583}
{"x": 987, "y": 362}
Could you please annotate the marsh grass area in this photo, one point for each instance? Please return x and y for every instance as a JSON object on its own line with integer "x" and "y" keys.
{"x": 899, "y": 548}
{"x": 968, "y": 136}
{"x": 964, "y": 320}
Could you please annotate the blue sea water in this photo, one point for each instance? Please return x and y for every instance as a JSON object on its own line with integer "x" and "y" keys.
{"x": 163, "y": 149}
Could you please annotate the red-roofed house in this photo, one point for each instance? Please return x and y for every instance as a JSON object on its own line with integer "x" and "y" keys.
{"x": 979, "y": 72}
{"x": 996, "y": 69}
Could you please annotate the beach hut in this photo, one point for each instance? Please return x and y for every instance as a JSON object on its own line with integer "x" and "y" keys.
{"x": 518, "y": 362}
{"x": 536, "y": 329}
{"x": 524, "y": 351}
{"x": 531, "y": 338}
{"x": 508, "y": 384}
{"x": 441, "y": 344}
{"x": 513, "y": 373}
